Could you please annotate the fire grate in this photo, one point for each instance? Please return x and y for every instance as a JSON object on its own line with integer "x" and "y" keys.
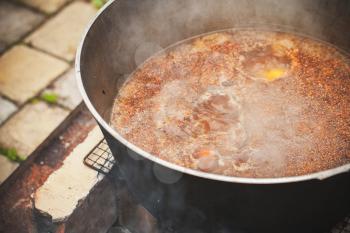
{"x": 101, "y": 160}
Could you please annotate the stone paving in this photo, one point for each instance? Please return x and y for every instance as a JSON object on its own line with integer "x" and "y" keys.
{"x": 7, "y": 108}
{"x": 25, "y": 71}
{"x": 12, "y": 29}
{"x": 30, "y": 126}
{"x": 38, "y": 41}
{"x": 66, "y": 88}
{"x": 62, "y": 33}
{"x": 47, "y": 6}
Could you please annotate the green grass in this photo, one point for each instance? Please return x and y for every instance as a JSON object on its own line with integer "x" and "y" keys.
{"x": 50, "y": 98}
{"x": 98, "y": 3}
{"x": 11, "y": 154}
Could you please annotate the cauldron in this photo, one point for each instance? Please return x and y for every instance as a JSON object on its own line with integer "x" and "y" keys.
{"x": 126, "y": 32}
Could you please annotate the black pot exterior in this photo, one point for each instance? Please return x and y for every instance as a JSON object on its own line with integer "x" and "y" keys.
{"x": 206, "y": 205}
{"x": 110, "y": 51}
{"x": 197, "y": 203}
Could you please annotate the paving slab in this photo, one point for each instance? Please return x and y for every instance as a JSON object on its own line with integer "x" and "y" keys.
{"x": 6, "y": 168}
{"x": 16, "y": 193}
{"x": 61, "y": 34}
{"x": 65, "y": 187}
{"x": 66, "y": 89}
{"x": 15, "y": 22}
{"x": 47, "y": 6}
{"x": 76, "y": 198}
{"x": 25, "y": 71}
{"x": 29, "y": 127}
{"x": 6, "y": 109}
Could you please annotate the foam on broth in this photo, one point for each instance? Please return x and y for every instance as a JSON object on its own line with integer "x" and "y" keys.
{"x": 241, "y": 103}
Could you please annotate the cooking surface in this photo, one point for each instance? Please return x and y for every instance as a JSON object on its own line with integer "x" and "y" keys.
{"x": 241, "y": 103}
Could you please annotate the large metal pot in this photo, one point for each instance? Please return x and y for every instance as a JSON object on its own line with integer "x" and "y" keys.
{"x": 126, "y": 32}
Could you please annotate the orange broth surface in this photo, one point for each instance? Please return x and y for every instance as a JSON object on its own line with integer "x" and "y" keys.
{"x": 243, "y": 103}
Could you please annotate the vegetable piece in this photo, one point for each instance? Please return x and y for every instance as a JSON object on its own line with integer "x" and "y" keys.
{"x": 201, "y": 153}
{"x": 274, "y": 74}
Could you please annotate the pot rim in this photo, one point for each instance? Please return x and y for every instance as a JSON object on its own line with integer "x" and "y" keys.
{"x": 317, "y": 175}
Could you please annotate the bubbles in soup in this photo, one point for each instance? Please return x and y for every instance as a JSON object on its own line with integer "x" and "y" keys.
{"x": 242, "y": 103}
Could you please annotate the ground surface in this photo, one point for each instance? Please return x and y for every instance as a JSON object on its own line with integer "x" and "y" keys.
{"x": 38, "y": 41}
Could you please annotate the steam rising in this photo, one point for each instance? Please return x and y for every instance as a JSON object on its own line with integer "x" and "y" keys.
{"x": 155, "y": 24}
{"x": 166, "y": 175}
{"x": 233, "y": 103}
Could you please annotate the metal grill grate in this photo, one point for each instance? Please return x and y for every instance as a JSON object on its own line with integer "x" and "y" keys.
{"x": 102, "y": 160}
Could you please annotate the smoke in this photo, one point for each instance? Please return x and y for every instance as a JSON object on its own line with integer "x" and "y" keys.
{"x": 152, "y": 25}
{"x": 252, "y": 123}
{"x": 144, "y": 51}
{"x": 166, "y": 175}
